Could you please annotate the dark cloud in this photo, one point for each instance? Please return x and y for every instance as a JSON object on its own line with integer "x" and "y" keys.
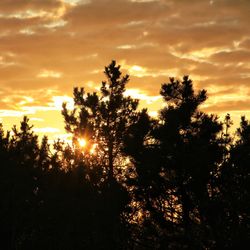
{"x": 229, "y": 106}
{"x": 120, "y": 12}
{"x": 10, "y": 6}
{"x": 235, "y": 57}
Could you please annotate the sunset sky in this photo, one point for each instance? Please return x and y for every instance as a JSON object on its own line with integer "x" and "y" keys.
{"x": 47, "y": 47}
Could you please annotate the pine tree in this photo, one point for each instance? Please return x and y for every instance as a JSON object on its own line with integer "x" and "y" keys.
{"x": 104, "y": 120}
{"x": 175, "y": 164}
{"x": 99, "y": 124}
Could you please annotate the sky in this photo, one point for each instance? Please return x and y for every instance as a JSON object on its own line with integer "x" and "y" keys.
{"x": 47, "y": 47}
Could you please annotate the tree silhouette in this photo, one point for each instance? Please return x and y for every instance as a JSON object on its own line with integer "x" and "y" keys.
{"x": 235, "y": 193}
{"x": 19, "y": 176}
{"x": 128, "y": 181}
{"x": 103, "y": 121}
{"x": 176, "y": 167}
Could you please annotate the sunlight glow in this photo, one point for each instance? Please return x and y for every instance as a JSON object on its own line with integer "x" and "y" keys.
{"x": 57, "y": 102}
{"x": 153, "y": 114}
{"x": 75, "y": 2}
{"x": 200, "y": 55}
{"x": 86, "y": 146}
{"x": 13, "y": 113}
{"x": 46, "y": 130}
{"x": 137, "y": 70}
{"x": 27, "y": 31}
{"x": 82, "y": 142}
{"x": 93, "y": 149}
{"x": 138, "y": 94}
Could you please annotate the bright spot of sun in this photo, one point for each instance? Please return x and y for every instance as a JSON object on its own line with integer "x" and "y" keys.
{"x": 82, "y": 142}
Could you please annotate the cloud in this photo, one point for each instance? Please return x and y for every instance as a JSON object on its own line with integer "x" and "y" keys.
{"x": 49, "y": 73}
{"x": 36, "y": 119}
{"x": 138, "y": 94}
{"x": 227, "y": 57}
{"x": 46, "y": 130}
{"x": 56, "y": 45}
{"x": 12, "y": 113}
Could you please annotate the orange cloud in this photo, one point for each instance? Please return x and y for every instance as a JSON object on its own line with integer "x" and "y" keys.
{"x": 48, "y": 47}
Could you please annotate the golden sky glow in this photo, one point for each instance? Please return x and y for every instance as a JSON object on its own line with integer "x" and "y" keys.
{"x": 49, "y": 46}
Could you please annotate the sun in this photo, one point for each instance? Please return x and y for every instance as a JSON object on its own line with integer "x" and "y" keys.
{"x": 86, "y": 146}
{"x": 82, "y": 142}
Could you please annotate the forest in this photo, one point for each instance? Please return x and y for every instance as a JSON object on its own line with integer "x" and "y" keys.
{"x": 128, "y": 180}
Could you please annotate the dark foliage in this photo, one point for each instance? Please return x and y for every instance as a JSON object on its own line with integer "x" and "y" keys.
{"x": 176, "y": 182}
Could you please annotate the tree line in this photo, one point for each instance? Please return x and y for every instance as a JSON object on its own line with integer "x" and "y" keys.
{"x": 178, "y": 181}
